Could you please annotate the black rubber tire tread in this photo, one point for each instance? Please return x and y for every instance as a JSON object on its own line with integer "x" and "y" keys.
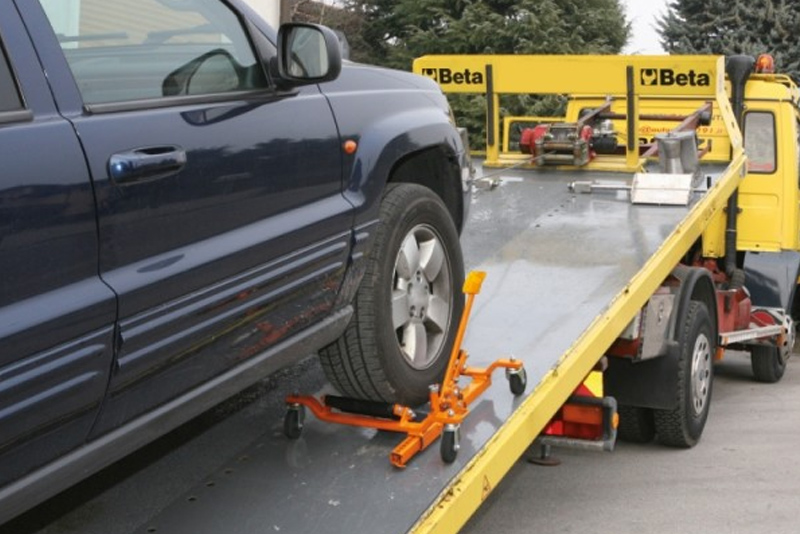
{"x": 636, "y": 424}
{"x": 517, "y": 382}
{"x": 767, "y": 365}
{"x": 365, "y": 362}
{"x": 447, "y": 448}
{"x": 292, "y": 425}
{"x": 680, "y": 427}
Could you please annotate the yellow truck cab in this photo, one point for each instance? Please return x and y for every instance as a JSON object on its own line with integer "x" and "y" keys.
{"x": 770, "y": 192}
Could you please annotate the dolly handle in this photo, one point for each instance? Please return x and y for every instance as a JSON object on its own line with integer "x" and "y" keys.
{"x": 472, "y": 285}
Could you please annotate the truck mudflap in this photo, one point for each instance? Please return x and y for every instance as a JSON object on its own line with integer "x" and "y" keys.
{"x": 772, "y": 277}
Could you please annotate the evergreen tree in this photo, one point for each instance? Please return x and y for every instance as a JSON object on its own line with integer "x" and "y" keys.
{"x": 734, "y": 27}
{"x": 400, "y": 30}
{"x": 397, "y": 31}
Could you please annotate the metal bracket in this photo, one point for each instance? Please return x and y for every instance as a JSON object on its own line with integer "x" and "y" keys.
{"x": 648, "y": 188}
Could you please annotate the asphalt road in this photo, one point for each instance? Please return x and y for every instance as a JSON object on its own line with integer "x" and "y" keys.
{"x": 742, "y": 478}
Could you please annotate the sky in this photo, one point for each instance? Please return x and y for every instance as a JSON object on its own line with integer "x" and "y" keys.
{"x": 642, "y": 14}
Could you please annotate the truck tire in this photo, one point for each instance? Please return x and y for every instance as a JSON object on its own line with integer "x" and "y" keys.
{"x": 407, "y": 307}
{"x": 683, "y": 425}
{"x": 636, "y": 424}
{"x": 768, "y": 363}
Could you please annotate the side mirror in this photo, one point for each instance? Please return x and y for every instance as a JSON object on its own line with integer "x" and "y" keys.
{"x": 308, "y": 53}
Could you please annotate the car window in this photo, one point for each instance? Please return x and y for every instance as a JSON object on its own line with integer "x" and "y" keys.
{"x": 759, "y": 142}
{"x": 131, "y": 50}
{"x": 9, "y": 95}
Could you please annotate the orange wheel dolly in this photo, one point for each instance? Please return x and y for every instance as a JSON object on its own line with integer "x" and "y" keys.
{"x": 449, "y": 402}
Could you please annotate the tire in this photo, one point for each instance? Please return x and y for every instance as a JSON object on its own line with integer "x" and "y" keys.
{"x": 636, "y": 424}
{"x": 683, "y": 425}
{"x": 768, "y": 363}
{"x": 407, "y": 307}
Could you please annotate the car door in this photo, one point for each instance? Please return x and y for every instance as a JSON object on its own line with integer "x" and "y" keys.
{"x": 222, "y": 225}
{"x": 56, "y": 315}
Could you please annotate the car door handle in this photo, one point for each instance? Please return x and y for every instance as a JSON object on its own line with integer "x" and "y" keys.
{"x": 146, "y": 164}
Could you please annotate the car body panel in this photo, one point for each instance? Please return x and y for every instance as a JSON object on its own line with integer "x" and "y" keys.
{"x": 129, "y": 306}
{"x": 56, "y": 315}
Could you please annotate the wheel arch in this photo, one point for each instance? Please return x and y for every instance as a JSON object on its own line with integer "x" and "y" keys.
{"x": 418, "y": 146}
{"x": 695, "y": 284}
{"x": 642, "y": 384}
{"x": 772, "y": 278}
{"x": 437, "y": 169}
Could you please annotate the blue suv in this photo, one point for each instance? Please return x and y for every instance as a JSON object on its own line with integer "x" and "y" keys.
{"x": 189, "y": 201}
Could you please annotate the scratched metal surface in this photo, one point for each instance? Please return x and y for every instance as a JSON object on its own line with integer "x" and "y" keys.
{"x": 554, "y": 261}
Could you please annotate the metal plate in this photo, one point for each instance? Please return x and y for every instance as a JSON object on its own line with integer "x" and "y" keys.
{"x": 662, "y": 189}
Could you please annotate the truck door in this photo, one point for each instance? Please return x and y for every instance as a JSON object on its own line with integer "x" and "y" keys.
{"x": 56, "y": 315}
{"x": 222, "y": 225}
{"x": 761, "y": 193}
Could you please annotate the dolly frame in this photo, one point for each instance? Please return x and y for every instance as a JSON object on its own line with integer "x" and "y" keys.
{"x": 449, "y": 402}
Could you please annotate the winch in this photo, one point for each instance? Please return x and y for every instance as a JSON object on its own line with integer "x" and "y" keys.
{"x": 570, "y": 143}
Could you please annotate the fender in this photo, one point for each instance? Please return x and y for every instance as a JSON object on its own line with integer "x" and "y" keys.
{"x": 771, "y": 278}
{"x": 643, "y": 383}
{"x": 387, "y": 143}
{"x": 392, "y": 115}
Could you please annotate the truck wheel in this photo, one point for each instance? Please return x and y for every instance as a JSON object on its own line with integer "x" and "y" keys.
{"x": 408, "y": 305}
{"x": 768, "y": 363}
{"x": 636, "y": 424}
{"x": 683, "y": 425}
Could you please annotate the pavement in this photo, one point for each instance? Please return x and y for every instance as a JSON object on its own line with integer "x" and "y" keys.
{"x": 742, "y": 478}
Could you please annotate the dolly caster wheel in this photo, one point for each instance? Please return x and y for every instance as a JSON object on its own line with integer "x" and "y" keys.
{"x": 293, "y": 421}
{"x": 517, "y": 380}
{"x": 451, "y": 435}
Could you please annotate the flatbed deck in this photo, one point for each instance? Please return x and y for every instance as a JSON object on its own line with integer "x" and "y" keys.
{"x": 566, "y": 272}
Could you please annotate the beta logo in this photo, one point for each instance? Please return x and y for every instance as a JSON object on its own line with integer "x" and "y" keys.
{"x": 446, "y": 76}
{"x": 669, "y": 78}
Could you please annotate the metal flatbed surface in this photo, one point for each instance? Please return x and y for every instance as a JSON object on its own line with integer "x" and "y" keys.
{"x": 555, "y": 263}
{"x": 565, "y": 274}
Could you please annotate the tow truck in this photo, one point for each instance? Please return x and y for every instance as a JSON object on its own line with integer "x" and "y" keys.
{"x": 626, "y": 244}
